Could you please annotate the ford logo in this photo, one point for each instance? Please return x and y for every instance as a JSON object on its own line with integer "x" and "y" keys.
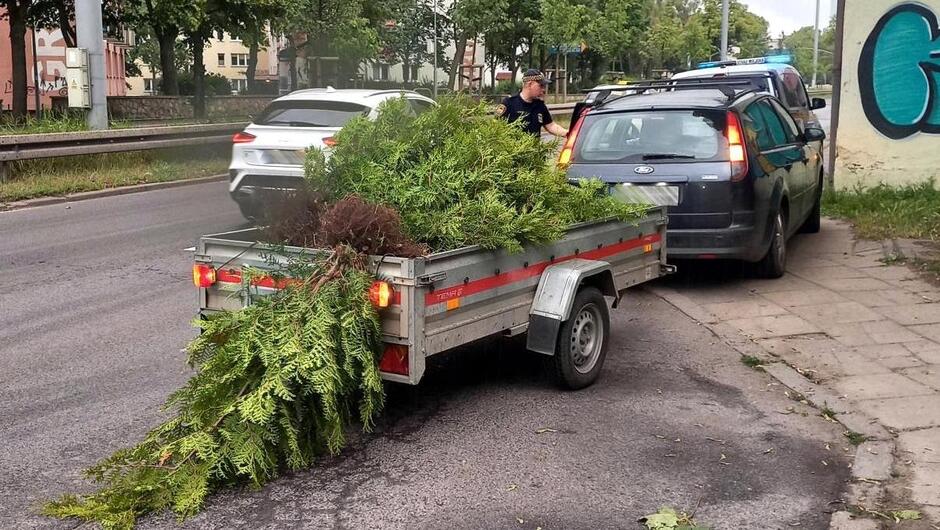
{"x": 643, "y": 170}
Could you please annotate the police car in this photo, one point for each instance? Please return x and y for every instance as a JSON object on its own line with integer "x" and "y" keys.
{"x": 772, "y": 74}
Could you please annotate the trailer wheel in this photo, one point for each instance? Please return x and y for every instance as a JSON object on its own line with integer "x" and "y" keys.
{"x": 582, "y": 341}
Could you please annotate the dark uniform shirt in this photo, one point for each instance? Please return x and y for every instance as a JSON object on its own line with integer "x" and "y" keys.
{"x": 534, "y": 114}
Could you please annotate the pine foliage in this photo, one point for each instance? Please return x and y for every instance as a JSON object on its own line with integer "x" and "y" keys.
{"x": 459, "y": 177}
{"x": 277, "y": 383}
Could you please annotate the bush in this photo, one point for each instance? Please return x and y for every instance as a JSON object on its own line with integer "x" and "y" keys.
{"x": 216, "y": 85}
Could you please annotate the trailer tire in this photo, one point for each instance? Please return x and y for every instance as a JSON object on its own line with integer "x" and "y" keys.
{"x": 582, "y": 341}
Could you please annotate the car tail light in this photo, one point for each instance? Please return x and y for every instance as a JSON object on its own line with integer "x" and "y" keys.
{"x": 564, "y": 159}
{"x": 394, "y": 359}
{"x": 380, "y": 294}
{"x": 203, "y": 275}
{"x": 242, "y": 137}
{"x": 737, "y": 152}
{"x": 329, "y": 141}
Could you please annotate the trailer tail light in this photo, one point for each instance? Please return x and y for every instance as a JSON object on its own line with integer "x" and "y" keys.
{"x": 242, "y": 137}
{"x": 329, "y": 141}
{"x": 564, "y": 159}
{"x": 737, "y": 153}
{"x": 203, "y": 275}
{"x": 394, "y": 359}
{"x": 381, "y": 293}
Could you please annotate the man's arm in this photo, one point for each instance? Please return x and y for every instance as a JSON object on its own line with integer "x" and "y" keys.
{"x": 556, "y": 129}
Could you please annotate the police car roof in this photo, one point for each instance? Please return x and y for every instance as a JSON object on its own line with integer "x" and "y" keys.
{"x": 736, "y": 69}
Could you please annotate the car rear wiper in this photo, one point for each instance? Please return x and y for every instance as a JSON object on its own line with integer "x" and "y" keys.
{"x": 295, "y": 123}
{"x": 664, "y": 156}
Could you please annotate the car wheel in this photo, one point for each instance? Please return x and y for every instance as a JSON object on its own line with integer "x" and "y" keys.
{"x": 774, "y": 263}
{"x": 812, "y": 223}
{"x": 582, "y": 341}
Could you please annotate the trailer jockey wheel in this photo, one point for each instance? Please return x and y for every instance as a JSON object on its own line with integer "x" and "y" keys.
{"x": 582, "y": 341}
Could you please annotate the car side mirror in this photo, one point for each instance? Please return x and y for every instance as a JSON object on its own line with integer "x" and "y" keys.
{"x": 817, "y": 103}
{"x": 814, "y": 134}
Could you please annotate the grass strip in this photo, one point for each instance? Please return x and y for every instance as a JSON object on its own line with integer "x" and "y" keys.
{"x": 60, "y": 176}
{"x": 884, "y": 212}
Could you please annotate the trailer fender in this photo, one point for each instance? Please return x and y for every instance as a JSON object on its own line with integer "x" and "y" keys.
{"x": 554, "y": 297}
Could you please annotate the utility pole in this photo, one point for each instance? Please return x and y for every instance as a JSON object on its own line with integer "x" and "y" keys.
{"x": 724, "y": 29}
{"x": 836, "y": 94}
{"x": 434, "y": 77}
{"x": 90, "y": 33}
{"x": 815, "y": 45}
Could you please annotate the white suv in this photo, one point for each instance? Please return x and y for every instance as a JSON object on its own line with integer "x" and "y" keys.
{"x": 269, "y": 154}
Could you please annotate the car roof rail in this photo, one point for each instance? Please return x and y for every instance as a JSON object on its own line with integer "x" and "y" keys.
{"x": 725, "y": 85}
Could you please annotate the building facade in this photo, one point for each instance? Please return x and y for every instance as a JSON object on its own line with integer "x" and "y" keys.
{"x": 48, "y": 58}
{"x": 228, "y": 57}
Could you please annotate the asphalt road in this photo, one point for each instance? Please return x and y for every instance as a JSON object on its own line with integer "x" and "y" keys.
{"x": 94, "y": 310}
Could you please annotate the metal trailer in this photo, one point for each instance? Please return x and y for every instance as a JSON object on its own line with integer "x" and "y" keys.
{"x": 555, "y": 292}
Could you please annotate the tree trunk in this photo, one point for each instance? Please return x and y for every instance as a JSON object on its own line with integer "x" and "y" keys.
{"x": 252, "y": 66}
{"x": 65, "y": 24}
{"x": 198, "y": 43}
{"x": 461, "y": 47}
{"x": 167, "y": 41}
{"x": 17, "y": 14}
{"x": 406, "y": 71}
{"x": 512, "y": 72}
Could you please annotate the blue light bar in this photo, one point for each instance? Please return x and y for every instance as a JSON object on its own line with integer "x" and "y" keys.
{"x": 770, "y": 59}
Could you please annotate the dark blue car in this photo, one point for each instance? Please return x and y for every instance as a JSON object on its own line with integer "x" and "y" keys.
{"x": 738, "y": 174}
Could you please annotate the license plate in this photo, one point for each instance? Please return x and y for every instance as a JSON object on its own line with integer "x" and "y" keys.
{"x": 646, "y": 194}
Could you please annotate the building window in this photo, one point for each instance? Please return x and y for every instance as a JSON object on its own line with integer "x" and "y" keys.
{"x": 410, "y": 73}
{"x": 233, "y": 38}
{"x": 239, "y": 59}
{"x": 240, "y": 85}
{"x": 221, "y": 57}
{"x": 149, "y": 86}
{"x": 380, "y": 72}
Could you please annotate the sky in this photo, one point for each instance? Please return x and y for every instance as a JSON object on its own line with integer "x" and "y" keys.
{"x": 790, "y": 15}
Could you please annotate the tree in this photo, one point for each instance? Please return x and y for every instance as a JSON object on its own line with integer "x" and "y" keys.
{"x": 468, "y": 20}
{"x": 745, "y": 29}
{"x": 800, "y": 45}
{"x": 408, "y": 33}
{"x": 17, "y": 11}
{"x": 617, "y": 30}
{"x": 563, "y": 24}
{"x": 335, "y": 28}
{"x": 663, "y": 42}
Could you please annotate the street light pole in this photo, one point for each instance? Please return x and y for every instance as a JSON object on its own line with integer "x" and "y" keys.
{"x": 724, "y": 29}
{"x": 815, "y": 45}
{"x": 434, "y": 76}
{"x": 90, "y": 33}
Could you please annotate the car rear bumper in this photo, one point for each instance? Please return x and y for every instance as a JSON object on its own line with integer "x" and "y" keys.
{"x": 253, "y": 191}
{"x": 743, "y": 242}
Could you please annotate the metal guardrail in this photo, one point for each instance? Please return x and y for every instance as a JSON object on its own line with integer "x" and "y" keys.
{"x": 49, "y": 145}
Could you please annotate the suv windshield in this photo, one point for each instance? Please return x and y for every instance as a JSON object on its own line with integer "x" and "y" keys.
{"x": 638, "y": 136}
{"x": 310, "y": 113}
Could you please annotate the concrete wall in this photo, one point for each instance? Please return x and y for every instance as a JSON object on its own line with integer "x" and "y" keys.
{"x": 889, "y": 120}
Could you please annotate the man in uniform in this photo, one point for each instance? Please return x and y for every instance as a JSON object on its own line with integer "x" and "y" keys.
{"x": 528, "y": 106}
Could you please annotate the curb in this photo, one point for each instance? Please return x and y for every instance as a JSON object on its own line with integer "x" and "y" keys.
{"x": 874, "y": 458}
{"x": 109, "y": 192}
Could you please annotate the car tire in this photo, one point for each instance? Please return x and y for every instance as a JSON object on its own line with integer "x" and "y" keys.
{"x": 582, "y": 341}
{"x": 812, "y": 223}
{"x": 774, "y": 263}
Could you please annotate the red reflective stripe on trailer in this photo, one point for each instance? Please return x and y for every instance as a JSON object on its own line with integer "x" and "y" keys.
{"x": 228, "y": 276}
{"x": 396, "y": 297}
{"x": 506, "y": 278}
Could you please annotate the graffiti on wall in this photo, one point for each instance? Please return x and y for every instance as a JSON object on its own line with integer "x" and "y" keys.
{"x": 899, "y": 72}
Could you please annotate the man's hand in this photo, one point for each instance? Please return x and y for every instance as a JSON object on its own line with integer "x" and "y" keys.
{"x": 556, "y": 129}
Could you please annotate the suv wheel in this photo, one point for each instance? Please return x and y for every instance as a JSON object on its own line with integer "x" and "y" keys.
{"x": 774, "y": 263}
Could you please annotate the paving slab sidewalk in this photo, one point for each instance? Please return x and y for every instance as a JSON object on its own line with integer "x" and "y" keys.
{"x": 857, "y": 335}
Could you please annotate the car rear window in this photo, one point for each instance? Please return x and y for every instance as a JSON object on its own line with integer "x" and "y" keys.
{"x": 665, "y": 135}
{"x": 310, "y": 113}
